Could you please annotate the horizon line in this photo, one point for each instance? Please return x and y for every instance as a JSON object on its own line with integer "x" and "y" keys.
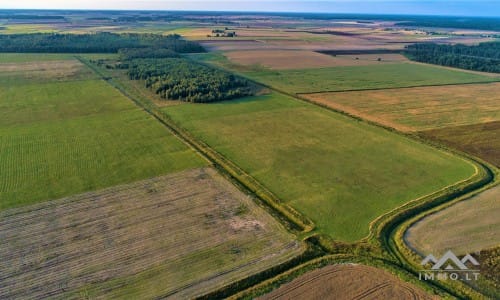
{"x": 247, "y": 11}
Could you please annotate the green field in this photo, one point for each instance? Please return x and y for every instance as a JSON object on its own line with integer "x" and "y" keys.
{"x": 36, "y": 57}
{"x": 340, "y": 172}
{"x": 364, "y": 77}
{"x": 63, "y": 137}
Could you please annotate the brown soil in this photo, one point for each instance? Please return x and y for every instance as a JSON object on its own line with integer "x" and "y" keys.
{"x": 297, "y": 59}
{"x": 347, "y": 282}
{"x": 482, "y": 140}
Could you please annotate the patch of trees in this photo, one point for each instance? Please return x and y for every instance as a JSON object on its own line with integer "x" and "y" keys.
{"x": 132, "y": 53}
{"x": 186, "y": 80}
{"x": 452, "y": 22}
{"x": 484, "y": 57}
{"x": 103, "y": 42}
{"x": 222, "y": 33}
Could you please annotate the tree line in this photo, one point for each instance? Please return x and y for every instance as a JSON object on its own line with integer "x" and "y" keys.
{"x": 186, "y": 80}
{"x": 156, "y": 59}
{"x": 102, "y": 42}
{"x": 484, "y": 57}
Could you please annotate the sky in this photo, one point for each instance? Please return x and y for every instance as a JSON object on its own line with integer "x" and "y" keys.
{"x": 431, "y": 7}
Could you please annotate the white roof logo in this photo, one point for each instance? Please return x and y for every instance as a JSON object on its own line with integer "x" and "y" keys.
{"x": 449, "y": 261}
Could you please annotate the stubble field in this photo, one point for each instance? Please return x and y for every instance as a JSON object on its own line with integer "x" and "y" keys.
{"x": 296, "y": 59}
{"x": 420, "y": 108}
{"x": 176, "y": 236}
{"x": 468, "y": 226}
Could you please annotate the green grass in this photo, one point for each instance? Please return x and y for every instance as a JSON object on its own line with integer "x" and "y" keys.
{"x": 67, "y": 137}
{"x": 340, "y": 172}
{"x": 364, "y": 77}
{"x": 34, "y": 57}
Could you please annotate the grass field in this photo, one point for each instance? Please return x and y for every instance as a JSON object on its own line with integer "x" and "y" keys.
{"x": 482, "y": 140}
{"x": 339, "y": 172}
{"x": 70, "y": 134}
{"x": 44, "y": 57}
{"x": 179, "y": 235}
{"x": 347, "y": 282}
{"x": 420, "y": 108}
{"x": 468, "y": 226}
{"x": 363, "y": 77}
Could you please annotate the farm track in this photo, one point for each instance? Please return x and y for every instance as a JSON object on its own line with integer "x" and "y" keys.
{"x": 56, "y": 248}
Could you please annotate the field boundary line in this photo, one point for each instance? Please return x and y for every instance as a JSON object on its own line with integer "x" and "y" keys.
{"x": 396, "y": 88}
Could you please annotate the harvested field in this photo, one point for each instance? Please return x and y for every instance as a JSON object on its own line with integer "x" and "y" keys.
{"x": 347, "y": 281}
{"x": 176, "y": 236}
{"x": 482, "y": 140}
{"x": 468, "y": 226}
{"x": 291, "y": 59}
{"x": 33, "y": 57}
{"x": 420, "y": 108}
{"x": 45, "y": 71}
{"x": 379, "y": 76}
{"x": 225, "y": 45}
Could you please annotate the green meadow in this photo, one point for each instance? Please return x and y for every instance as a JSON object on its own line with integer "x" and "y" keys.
{"x": 363, "y": 77}
{"x": 339, "y": 172}
{"x": 67, "y": 136}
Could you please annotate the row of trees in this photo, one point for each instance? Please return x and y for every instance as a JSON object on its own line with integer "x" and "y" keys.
{"x": 483, "y": 57}
{"x": 186, "y": 80}
{"x": 102, "y": 42}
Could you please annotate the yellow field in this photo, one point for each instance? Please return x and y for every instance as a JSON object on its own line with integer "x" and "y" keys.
{"x": 420, "y": 108}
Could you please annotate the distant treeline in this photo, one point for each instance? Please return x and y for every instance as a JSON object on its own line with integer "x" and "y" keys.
{"x": 102, "y": 42}
{"x": 484, "y": 57}
{"x": 31, "y": 17}
{"x": 454, "y": 22}
{"x": 186, "y": 80}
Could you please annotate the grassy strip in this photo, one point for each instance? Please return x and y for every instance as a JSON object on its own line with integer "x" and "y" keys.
{"x": 395, "y": 234}
{"x": 297, "y": 220}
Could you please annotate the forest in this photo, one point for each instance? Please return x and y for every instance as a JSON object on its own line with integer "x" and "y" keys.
{"x": 186, "y": 80}
{"x": 132, "y": 53}
{"x": 484, "y": 57}
{"x": 102, "y": 42}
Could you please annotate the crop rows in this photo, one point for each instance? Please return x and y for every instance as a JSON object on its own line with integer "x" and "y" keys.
{"x": 169, "y": 230}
